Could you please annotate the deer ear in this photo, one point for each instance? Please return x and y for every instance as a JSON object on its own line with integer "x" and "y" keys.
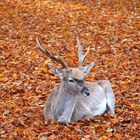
{"x": 87, "y": 68}
{"x": 56, "y": 71}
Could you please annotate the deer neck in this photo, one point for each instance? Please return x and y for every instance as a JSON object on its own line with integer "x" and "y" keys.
{"x": 65, "y": 101}
{"x": 65, "y": 93}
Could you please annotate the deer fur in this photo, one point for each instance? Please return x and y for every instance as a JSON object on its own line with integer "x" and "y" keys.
{"x": 75, "y": 99}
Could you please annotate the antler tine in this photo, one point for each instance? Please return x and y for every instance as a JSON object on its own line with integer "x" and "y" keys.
{"x": 45, "y": 51}
{"x": 81, "y": 54}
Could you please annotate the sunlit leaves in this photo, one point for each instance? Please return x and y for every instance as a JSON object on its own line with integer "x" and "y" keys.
{"x": 109, "y": 28}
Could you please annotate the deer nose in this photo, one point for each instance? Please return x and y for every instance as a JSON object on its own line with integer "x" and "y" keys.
{"x": 85, "y": 91}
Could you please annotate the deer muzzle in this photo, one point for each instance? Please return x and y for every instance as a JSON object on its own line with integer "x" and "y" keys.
{"x": 85, "y": 91}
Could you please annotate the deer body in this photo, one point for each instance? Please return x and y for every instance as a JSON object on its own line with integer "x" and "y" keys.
{"x": 67, "y": 109}
{"x": 75, "y": 99}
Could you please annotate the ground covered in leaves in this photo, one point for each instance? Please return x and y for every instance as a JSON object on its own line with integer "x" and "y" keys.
{"x": 110, "y": 28}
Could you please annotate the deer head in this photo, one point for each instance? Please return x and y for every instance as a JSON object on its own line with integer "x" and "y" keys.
{"x": 72, "y": 79}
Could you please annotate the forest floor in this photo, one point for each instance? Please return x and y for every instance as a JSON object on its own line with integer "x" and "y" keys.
{"x": 110, "y": 28}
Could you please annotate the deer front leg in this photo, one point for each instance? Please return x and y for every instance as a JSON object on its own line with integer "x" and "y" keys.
{"x": 69, "y": 106}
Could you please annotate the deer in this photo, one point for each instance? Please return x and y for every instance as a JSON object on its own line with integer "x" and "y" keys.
{"x": 74, "y": 98}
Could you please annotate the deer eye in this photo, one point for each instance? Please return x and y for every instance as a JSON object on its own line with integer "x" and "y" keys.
{"x": 71, "y": 80}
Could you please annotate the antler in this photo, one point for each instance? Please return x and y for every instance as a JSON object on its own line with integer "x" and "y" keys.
{"x": 44, "y": 50}
{"x": 81, "y": 54}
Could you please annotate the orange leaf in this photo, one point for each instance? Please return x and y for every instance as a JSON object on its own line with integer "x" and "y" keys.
{"x": 118, "y": 136}
{"x": 103, "y": 138}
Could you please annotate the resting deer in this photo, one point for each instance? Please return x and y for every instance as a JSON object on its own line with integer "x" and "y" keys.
{"x": 75, "y": 99}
